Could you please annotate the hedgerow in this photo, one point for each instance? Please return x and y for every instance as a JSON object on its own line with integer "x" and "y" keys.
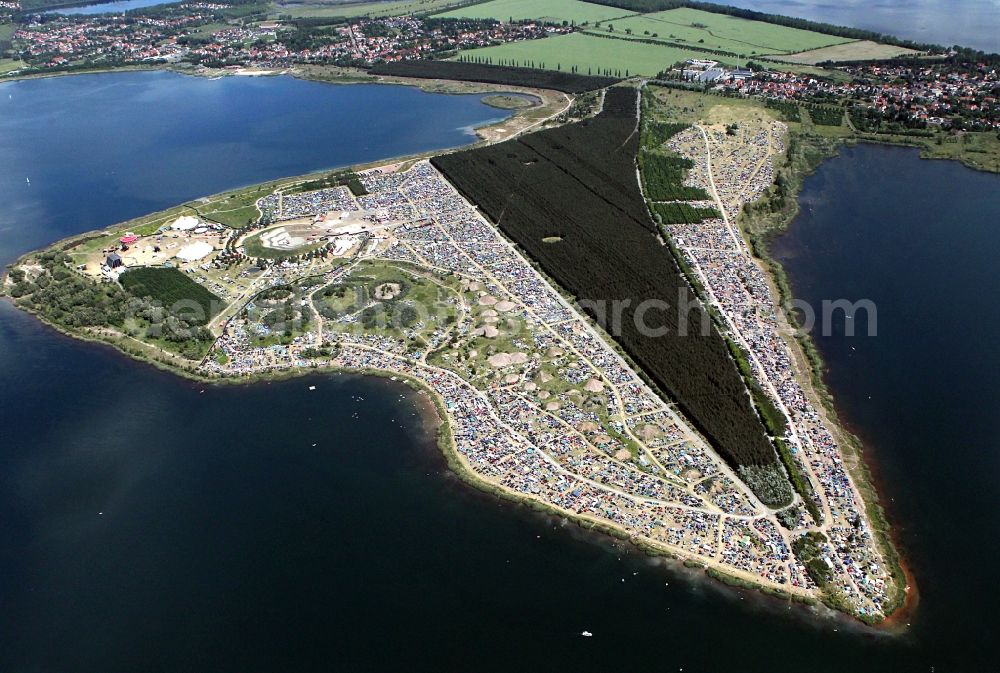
{"x": 493, "y": 74}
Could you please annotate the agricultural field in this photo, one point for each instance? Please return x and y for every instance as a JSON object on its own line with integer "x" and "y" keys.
{"x": 565, "y": 195}
{"x": 723, "y": 33}
{"x": 316, "y": 9}
{"x": 169, "y": 287}
{"x": 857, "y": 50}
{"x": 593, "y": 54}
{"x": 556, "y": 11}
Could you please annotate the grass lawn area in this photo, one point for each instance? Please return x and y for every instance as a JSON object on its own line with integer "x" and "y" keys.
{"x": 725, "y": 33}
{"x": 692, "y": 107}
{"x": 209, "y": 28}
{"x": 233, "y": 208}
{"x": 239, "y": 217}
{"x": 399, "y": 303}
{"x": 851, "y": 51}
{"x": 9, "y": 64}
{"x": 592, "y": 53}
{"x": 256, "y": 249}
{"x": 552, "y": 10}
{"x": 373, "y": 9}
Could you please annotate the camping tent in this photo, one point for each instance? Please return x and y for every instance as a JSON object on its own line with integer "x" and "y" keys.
{"x": 185, "y": 223}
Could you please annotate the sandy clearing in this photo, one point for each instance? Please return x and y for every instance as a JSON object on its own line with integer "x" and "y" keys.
{"x": 507, "y": 359}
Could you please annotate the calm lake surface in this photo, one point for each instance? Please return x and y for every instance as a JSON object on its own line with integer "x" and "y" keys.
{"x": 153, "y": 524}
{"x": 970, "y": 23}
{"x": 106, "y": 7}
{"x": 86, "y": 151}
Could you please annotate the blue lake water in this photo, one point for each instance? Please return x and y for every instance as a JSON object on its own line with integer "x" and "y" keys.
{"x": 970, "y": 23}
{"x": 106, "y": 7}
{"x": 87, "y": 151}
{"x": 918, "y": 239}
{"x": 153, "y": 524}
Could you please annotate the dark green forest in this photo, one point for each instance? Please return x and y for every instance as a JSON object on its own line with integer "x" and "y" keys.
{"x": 576, "y": 185}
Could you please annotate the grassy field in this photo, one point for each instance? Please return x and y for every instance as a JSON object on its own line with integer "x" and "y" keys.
{"x": 373, "y": 9}
{"x": 9, "y": 64}
{"x": 234, "y": 209}
{"x": 776, "y": 63}
{"x": 389, "y": 300}
{"x": 692, "y": 107}
{"x": 45, "y": 4}
{"x": 552, "y": 10}
{"x": 724, "y": 33}
{"x": 850, "y": 51}
{"x": 505, "y": 102}
{"x": 593, "y": 53}
{"x": 209, "y": 28}
{"x": 256, "y": 249}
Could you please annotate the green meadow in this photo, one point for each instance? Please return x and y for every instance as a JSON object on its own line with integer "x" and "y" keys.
{"x": 372, "y": 9}
{"x": 550, "y": 10}
{"x": 593, "y": 54}
{"x": 722, "y": 32}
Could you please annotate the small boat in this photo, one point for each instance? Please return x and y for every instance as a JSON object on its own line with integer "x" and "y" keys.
{"x": 587, "y": 634}
{"x": 312, "y": 387}
{"x": 28, "y": 180}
